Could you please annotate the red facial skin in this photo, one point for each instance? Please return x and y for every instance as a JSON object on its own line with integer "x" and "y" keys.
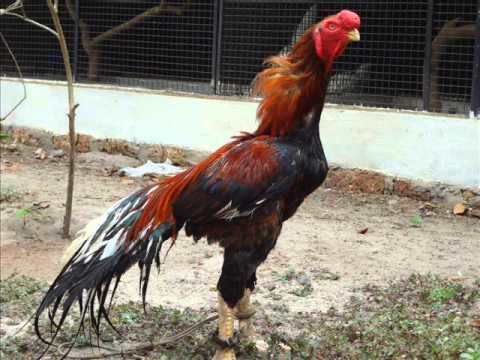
{"x": 331, "y": 36}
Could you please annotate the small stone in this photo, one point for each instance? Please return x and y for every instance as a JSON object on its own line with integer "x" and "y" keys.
{"x": 475, "y": 203}
{"x": 271, "y": 287}
{"x": 284, "y": 347}
{"x": 459, "y": 209}
{"x": 303, "y": 279}
{"x": 467, "y": 195}
{"x": 40, "y": 154}
{"x": 10, "y": 147}
{"x": 261, "y": 345}
{"x": 429, "y": 206}
{"x": 57, "y": 153}
{"x": 475, "y": 213}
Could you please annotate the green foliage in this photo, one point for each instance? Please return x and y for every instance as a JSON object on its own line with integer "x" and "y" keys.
{"x": 416, "y": 221}
{"x": 8, "y": 194}
{"x": 442, "y": 295}
{"x": 18, "y": 288}
{"x": 420, "y": 317}
{"x": 472, "y": 353}
{"x": 303, "y": 291}
{"x": 4, "y": 137}
{"x": 423, "y": 317}
{"x": 286, "y": 276}
{"x": 23, "y": 213}
{"x": 129, "y": 315}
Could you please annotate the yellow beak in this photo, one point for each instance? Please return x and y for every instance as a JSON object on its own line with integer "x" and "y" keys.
{"x": 354, "y": 35}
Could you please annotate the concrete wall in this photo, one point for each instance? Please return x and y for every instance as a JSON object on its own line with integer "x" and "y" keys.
{"x": 407, "y": 144}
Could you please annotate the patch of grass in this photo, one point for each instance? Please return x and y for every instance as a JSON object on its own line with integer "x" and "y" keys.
{"x": 31, "y": 212}
{"x": 18, "y": 289}
{"x": 8, "y": 194}
{"x": 285, "y": 277}
{"x": 472, "y": 353}
{"x": 422, "y": 317}
{"x": 303, "y": 291}
{"x": 416, "y": 221}
{"x": 13, "y": 348}
{"x": 442, "y": 295}
{"x": 23, "y": 214}
{"x": 19, "y": 296}
{"x": 128, "y": 314}
{"x": 4, "y": 137}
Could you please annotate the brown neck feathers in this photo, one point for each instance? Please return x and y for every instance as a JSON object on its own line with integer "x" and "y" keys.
{"x": 291, "y": 87}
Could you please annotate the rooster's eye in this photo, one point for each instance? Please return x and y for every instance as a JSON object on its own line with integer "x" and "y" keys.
{"x": 332, "y": 26}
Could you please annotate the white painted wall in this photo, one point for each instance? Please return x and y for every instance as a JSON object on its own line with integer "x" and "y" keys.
{"x": 407, "y": 144}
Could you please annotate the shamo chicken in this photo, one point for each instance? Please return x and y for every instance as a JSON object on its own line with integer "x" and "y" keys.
{"x": 238, "y": 197}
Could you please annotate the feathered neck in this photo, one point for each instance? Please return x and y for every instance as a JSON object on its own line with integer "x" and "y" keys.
{"x": 291, "y": 87}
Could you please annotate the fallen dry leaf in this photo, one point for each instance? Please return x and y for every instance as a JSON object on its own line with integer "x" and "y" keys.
{"x": 459, "y": 209}
{"x": 475, "y": 323}
{"x": 23, "y": 136}
{"x": 110, "y": 171}
{"x": 363, "y": 231}
{"x": 41, "y": 205}
{"x": 83, "y": 143}
{"x": 9, "y": 147}
{"x": 115, "y": 146}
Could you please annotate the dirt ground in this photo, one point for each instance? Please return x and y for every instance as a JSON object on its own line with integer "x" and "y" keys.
{"x": 320, "y": 252}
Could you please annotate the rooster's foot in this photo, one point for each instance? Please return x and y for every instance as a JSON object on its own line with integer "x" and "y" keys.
{"x": 226, "y": 324}
{"x": 244, "y": 313}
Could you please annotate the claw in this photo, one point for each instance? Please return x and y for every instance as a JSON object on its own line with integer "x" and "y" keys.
{"x": 225, "y": 329}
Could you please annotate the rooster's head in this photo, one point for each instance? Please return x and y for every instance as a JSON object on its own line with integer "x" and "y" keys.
{"x": 332, "y": 35}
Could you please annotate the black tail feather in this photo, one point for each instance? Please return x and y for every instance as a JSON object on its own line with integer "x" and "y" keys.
{"x": 88, "y": 276}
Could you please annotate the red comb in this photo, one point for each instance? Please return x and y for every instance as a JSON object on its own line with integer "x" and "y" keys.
{"x": 349, "y": 19}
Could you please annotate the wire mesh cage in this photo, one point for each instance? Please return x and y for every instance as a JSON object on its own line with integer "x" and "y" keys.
{"x": 147, "y": 43}
{"x": 415, "y": 54}
{"x": 36, "y": 50}
{"x": 452, "y": 55}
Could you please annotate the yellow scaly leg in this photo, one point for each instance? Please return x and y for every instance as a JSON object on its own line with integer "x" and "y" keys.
{"x": 225, "y": 329}
{"x": 244, "y": 314}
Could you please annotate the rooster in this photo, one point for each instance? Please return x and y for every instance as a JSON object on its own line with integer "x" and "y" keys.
{"x": 238, "y": 197}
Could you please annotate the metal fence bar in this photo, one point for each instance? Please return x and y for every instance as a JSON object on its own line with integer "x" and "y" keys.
{"x": 76, "y": 41}
{"x": 215, "y": 48}
{"x": 475, "y": 100}
{"x": 427, "y": 65}
{"x": 218, "y": 45}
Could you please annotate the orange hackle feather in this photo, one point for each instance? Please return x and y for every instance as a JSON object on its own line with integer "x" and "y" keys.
{"x": 290, "y": 86}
